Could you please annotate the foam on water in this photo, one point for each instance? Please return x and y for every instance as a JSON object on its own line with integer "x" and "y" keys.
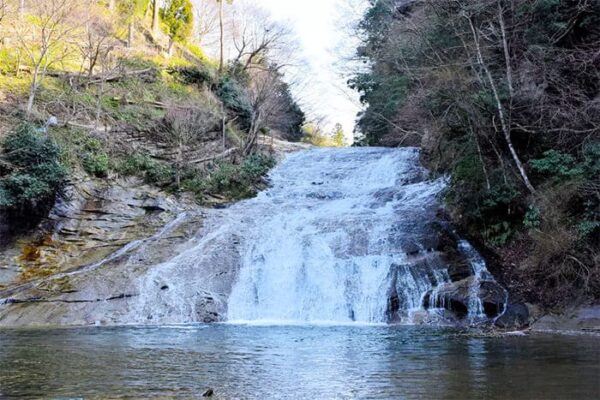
{"x": 324, "y": 250}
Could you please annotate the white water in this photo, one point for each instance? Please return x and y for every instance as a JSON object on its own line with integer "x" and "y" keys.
{"x": 480, "y": 273}
{"x": 341, "y": 236}
{"x": 329, "y": 233}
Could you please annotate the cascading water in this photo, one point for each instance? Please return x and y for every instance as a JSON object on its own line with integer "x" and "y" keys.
{"x": 480, "y": 273}
{"x": 341, "y": 235}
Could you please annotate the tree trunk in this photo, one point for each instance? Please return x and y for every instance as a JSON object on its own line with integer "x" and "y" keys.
{"x": 178, "y": 165}
{"x": 509, "y": 80}
{"x": 170, "y": 48}
{"x": 21, "y": 7}
{"x": 155, "y": 24}
{"x": 32, "y": 90}
{"x": 222, "y": 36}
{"x": 112, "y": 5}
{"x": 501, "y": 113}
{"x": 130, "y": 30}
{"x": 224, "y": 126}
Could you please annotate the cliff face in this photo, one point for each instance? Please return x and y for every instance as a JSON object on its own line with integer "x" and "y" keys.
{"x": 89, "y": 260}
{"x": 56, "y": 269}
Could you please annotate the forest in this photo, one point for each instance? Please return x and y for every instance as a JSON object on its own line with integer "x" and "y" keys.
{"x": 503, "y": 96}
{"x": 124, "y": 88}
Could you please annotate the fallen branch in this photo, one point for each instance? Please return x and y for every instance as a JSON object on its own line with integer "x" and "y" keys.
{"x": 117, "y": 77}
{"x": 155, "y": 104}
{"x": 220, "y": 156}
{"x": 113, "y": 77}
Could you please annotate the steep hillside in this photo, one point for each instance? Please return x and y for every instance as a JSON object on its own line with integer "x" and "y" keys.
{"x": 112, "y": 124}
{"x": 504, "y": 96}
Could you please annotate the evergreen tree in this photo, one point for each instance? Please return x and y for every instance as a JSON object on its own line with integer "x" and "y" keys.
{"x": 178, "y": 15}
{"x": 339, "y": 138}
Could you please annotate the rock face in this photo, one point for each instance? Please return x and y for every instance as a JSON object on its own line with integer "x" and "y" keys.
{"x": 575, "y": 320}
{"x": 516, "y": 316}
{"x": 456, "y": 297}
{"x": 352, "y": 235}
{"x": 85, "y": 263}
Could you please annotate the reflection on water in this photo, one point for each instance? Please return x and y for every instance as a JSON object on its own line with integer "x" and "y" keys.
{"x": 295, "y": 362}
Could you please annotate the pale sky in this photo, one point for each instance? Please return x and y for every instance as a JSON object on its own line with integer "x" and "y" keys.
{"x": 324, "y": 42}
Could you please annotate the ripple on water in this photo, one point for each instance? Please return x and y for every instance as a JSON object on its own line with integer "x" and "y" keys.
{"x": 295, "y": 362}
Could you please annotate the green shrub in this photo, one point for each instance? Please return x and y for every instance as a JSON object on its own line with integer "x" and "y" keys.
{"x": 95, "y": 160}
{"x": 532, "y": 218}
{"x": 142, "y": 164}
{"x": 234, "y": 97}
{"x": 587, "y": 227}
{"x": 196, "y": 75}
{"x": 231, "y": 180}
{"x": 592, "y": 159}
{"x": 96, "y": 164}
{"x": 557, "y": 164}
{"x": 499, "y": 234}
{"x": 257, "y": 166}
{"x": 36, "y": 174}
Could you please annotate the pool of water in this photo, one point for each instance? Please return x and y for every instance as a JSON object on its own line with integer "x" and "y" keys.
{"x": 295, "y": 362}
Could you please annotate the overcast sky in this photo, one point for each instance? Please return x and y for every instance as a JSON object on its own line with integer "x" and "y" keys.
{"x": 324, "y": 42}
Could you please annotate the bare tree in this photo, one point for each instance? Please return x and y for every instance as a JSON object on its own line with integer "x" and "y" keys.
{"x": 184, "y": 126}
{"x": 46, "y": 39}
{"x": 155, "y": 20}
{"x": 3, "y": 9}
{"x": 265, "y": 94}
{"x": 256, "y": 37}
{"x": 221, "y": 35}
{"x": 207, "y": 20}
{"x": 503, "y": 114}
{"x": 97, "y": 41}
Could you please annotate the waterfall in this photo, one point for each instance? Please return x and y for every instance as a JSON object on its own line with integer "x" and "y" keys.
{"x": 333, "y": 231}
{"x": 340, "y": 236}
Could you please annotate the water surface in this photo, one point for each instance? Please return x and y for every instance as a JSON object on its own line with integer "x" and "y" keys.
{"x": 295, "y": 362}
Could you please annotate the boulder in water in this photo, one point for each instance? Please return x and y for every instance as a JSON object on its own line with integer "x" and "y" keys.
{"x": 516, "y": 316}
{"x": 456, "y": 296}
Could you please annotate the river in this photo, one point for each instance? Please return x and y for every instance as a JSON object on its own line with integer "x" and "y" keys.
{"x": 295, "y": 362}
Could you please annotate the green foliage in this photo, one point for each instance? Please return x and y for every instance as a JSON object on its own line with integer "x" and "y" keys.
{"x": 532, "y": 218}
{"x": 557, "y": 164}
{"x": 95, "y": 160}
{"x": 36, "y": 175}
{"x": 131, "y": 9}
{"x": 198, "y": 52}
{"x": 233, "y": 181}
{"x": 142, "y": 164}
{"x": 96, "y": 164}
{"x": 383, "y": 95}
{"x": 586, "y": 228}
{"x": 196, "y": 75}
{"x": 256, "y": 166}
{"x": 493, "y": 213}
{"x": 178, "y": 15}
{"x": 498, "y": 234}
{"x": 339, "y": 138}
{"x": 591, "y": 163}
{"x": 235, "y": 98}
